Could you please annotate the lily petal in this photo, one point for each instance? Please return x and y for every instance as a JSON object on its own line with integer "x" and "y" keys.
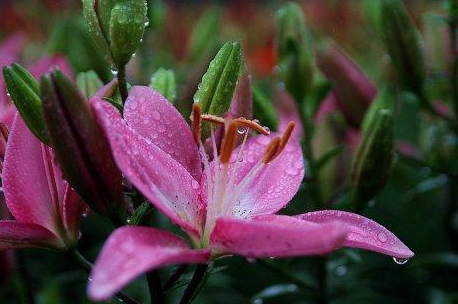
{"x": 45, "y": 64}
{"x": 276, "y": 184}
{"x": 32, "y": 183}
{"x": 152, "y": 116}
{"x": 19, "y": 235}
{"x": 158, "y": 176}
{"x": 363, "y": 232}
{"x": 72, "y": 212}
{"x": 131, "y": 251}
{"x": 276, "y": 236}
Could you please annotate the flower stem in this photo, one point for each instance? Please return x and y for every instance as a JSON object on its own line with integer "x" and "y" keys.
{"x": 122, "y": 83}
{"x": 28, "y": 292}
{"x": 196, "y": 280}
{"x": 86, "y": 265}
{"x": 323, "y": 280}
{"x": 287, "y": 275}
{"x": 155, "y": 287}
{"x": 174, "y": 277}
{"x": 453, "y": 22}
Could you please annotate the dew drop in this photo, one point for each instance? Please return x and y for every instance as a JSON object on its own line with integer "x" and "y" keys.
{"x": 400, "y": 261}
{"x": 256, "y": 121}
{"x": 251, "y": 260}
{"x": 382, "y": 237}
{"x": 257, "y": 301}
{"x": 241, "y": 130}
{"x": 195, "y": 185}
{"x": 156, "y": 115}
{"x": 114, "y": 71}
{"x": 266, "y": 129}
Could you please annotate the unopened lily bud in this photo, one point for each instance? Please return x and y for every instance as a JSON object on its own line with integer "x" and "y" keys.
{"x": 164, "y": 82}
{"x": 218, "y": 83}
{"x": 404, "y": 45}
{"x": 117, "y": 26}
{"x": 373, "y": 160}
{"x": 80, "y": 146}
{"x": 384, "y": 100}
{"x": 294, "y": 48}
{"x": 25, "y": 94}
{"x": 88, "y": 83}
{"x": 353, "y": 89}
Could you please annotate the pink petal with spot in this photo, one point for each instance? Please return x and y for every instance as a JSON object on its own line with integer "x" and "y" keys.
{"x": 14, "y": 234}
{"x": 154, "y": 117}
{"x": 156, "y": 174}
{"x": 276, "y": 236}
{"x": 32, "y": 182}
{"x": 363, "y": 232}
{"x": 132, "y": 251}
{"x": 275, "y": 184}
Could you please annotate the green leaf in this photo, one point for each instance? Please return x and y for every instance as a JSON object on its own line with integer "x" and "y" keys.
{"x": 328, "y": 156}
{"x": 264, "y": 109}
{"x": 384, "y": 100}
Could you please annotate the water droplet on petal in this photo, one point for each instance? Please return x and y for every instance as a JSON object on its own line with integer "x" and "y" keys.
{"x": 195, "y": 185}
{"x": 114, "y": 70}
{"x": 382, "y": 237}
{"x": 241, "y": 130}
{"x": 400, "y": 261}
{"x": 257, "y": 301}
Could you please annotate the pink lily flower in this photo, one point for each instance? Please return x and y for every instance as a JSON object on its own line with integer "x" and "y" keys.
{"x": 46, "y": 210}
{"x": 10, "y": 50}
{"x": 225, "y": 208}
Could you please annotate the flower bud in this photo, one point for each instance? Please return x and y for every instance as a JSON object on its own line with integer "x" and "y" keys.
{"x": 294, "y": 48}
{"x": 384, "y": 100}
{"x": 80, "y": 146}
{"x": 218, "y": 83}
{"x": 88, "y": 83}
{"x": 116, "y": 26}
{"x": 164, "y": 82}
{"x": 404, "y": 45}
{"x": 25, "y": 94}
{"x": 353, "y": 89}
{"x": 373, "y": 160}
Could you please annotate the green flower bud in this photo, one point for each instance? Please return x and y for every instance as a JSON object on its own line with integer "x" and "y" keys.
{"x": 295, "y": 52}
{"x": 164, "y": 82}
{"x": 404, "y": 45}
{"x": 373, "y": 160}
{"x": 384, "y": 100}
{"x": 218, "y": 83}
{"x": 89, "y": 83}
{"x": 80, "y": 146}
{"x": 117, "y": 26}
{"x": 25, "y": 93}
{"x": 264, "y": 109}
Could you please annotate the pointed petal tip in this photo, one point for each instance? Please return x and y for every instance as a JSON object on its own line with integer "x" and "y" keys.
{"x": 363, "y": 233}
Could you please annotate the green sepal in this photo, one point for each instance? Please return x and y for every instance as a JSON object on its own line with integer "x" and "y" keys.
{"x": 264, "y": 110}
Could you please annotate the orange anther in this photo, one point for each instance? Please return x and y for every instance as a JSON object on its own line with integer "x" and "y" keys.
{"x": 252, "y": 125}
{"x": 228, "y": 144}
{"x": 196, "y": 122}
{"x": 271, "y": 150}
{"x": 285, "y": 137}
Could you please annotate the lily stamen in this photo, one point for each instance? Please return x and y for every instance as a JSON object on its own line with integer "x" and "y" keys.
{"x": 196, "y": 122}
{"x": 228, "y": 144}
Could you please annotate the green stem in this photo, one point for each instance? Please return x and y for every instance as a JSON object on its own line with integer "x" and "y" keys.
{"x": 287, "y": 275}
{"x": 122, "y": 83}
{"x": 190, "y": 291}
{"x": 323, "y": 280}
{"x": 155, "y": 287}
{"x": 174, "y": 277}
{"x": 86, "y": 265}
{"x": 28, "y": 292}
{"x": 453, "y": 22}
